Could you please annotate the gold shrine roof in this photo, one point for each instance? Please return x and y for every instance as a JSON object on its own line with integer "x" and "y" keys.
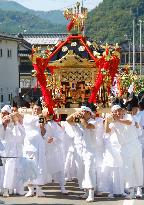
{"x": 71, "y": 60}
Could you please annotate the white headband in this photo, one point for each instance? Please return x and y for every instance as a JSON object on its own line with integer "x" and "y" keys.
{"x": 115, "y": 107}
{"x": 87, "y": 109}
{"x": 6, "y": 108}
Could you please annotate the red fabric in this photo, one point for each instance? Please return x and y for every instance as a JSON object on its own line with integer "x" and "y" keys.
{"x": 70, "y": 25}
{"x": 42, "y": 82}
{"x": 96, "y": 87}
{"x": 36, "y": 86}
{"x": 110, "y": 66}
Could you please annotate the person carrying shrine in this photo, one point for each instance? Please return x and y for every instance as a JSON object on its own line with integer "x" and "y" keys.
{"x": 84, "y": 143}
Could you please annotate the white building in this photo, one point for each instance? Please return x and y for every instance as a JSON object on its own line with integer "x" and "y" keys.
{"x": 9, "y": 68}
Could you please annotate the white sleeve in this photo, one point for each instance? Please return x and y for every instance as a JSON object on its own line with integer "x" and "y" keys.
{"x": 92, "y": 122}
{"x": 48, "y": 132}
{"x": 52, "y": 132}
{"x": 1, "y": 131}
{"x": 58, "y": 132}
{"x": 68, "y": 129}
{"x": 128, "y": 117}
{"x": 19, "y": 132}
{"x": 111, "y": 125}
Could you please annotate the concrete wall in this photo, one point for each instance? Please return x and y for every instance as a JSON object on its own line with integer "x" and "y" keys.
{"x": 9, "y": 72}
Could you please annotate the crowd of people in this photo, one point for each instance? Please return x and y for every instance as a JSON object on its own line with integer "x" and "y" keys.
{"x": 105, "y": 154}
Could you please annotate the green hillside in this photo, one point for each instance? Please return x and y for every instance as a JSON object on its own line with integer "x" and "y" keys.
{"x": 112, "y": 20}
{"x": 55, "y": 17}
{"x": 19, "y": 22}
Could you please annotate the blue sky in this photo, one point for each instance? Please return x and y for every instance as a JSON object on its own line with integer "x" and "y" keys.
{"x": 47, "y": 5}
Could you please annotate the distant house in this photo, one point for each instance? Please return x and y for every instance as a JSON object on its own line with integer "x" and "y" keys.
{"x": 9, "y": 68}
{"x": 127, "y": 55}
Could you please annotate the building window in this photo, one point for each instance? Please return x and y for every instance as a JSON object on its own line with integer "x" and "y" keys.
{"x": 122, "y": 58}
{"x": 9, "y": 97}
{"x": 9, "y": 53}
{"x": 1, "y": 98}
{"x": 142, "y": 57}
{"x": 137, "y": 60}
{"x": 127, "y": 58}
{"x": 0, "y": 52}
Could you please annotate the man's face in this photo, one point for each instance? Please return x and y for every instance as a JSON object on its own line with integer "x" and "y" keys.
{"x": 14, "y": 109}
{"x": 86, "y": 114}
{"x": 134, "y": 110}
{"x": 36, "y": 110}
{"x": 117, "y": 113}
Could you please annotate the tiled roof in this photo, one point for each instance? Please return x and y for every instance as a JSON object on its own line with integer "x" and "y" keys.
{"x": 44, "y": 39}
{"x": 9, "y": 37}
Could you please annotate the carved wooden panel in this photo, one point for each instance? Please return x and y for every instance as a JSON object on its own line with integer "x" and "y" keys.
{"x": 76, "y": 75}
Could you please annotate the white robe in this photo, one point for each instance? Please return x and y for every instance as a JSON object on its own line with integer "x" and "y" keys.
{"x": 140, "y": 117}
{"x": 131, "y": 152}
{"x": 84, "y": 143}
{"x": 34, "y": 147}
{"x": 112, "y": 180}
{"x": 140, "y": 120}
{"x": 54, "y": 153}
{"x": 12, "y": 137}
{"x": 98, "y": 132}
{"x": 69, "y": 149}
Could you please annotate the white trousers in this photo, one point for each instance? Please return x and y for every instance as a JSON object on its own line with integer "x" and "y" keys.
{"x": 69, "y": 167}
{"x": 141, "y": 139}
{"x": 9, "y": 175}
{"x": 112, "y": 180}
{"x": 2, "y": 170}
{"x": 85, "y": 168}
{"x": 133, "y": 166}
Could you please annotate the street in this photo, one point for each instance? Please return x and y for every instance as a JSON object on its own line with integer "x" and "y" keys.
{"x": 54, "y": 197}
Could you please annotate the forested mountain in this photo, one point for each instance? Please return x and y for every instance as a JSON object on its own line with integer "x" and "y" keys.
{"x": 113, "y": 19}
{"x": 55, "y": 16}
{"x": 17, "y": 22}
{"x": 17, "y": 18}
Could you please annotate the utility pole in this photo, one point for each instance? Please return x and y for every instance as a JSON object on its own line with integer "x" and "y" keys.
{"x": 140, "y": 24}
{"x": 129, "y": 42}
{"x": 82, "y": 3}
{"x": 129, "y": 48}
{"x": 133, "y": 45}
